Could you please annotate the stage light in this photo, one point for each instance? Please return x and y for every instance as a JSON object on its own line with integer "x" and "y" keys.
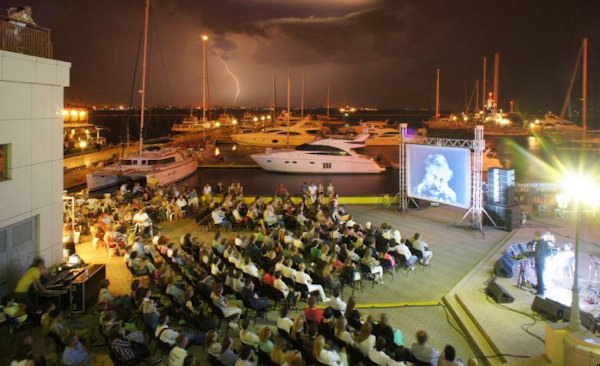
{"x": 580, "y": 189}
{"x": 583, "y": 191}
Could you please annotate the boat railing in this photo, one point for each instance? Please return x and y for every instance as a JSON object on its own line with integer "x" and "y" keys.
{"x": 20, "y": 37}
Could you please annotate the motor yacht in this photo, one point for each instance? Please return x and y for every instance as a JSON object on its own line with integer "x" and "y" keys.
{"x": 325, "y": 156}
{"x": 554, "y": 124}
{"x": 380, "y": 134}
{"x": 155, "y": 165}
{"x": 299, "y": 133}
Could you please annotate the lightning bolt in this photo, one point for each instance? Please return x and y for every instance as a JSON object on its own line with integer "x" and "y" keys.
{"x": 237, "y": 82}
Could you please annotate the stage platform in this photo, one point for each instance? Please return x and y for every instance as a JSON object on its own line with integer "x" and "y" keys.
{"x": 502, "y": 329}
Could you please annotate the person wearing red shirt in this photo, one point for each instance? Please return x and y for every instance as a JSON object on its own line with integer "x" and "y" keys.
{"x": 311, "y": 313}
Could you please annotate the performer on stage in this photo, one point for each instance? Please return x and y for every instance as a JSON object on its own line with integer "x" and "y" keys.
{"x": 542, "y": 250}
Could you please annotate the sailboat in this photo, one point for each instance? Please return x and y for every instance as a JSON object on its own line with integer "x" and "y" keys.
{"x": 154, "y": 165}
{"x": 289, "y": 130}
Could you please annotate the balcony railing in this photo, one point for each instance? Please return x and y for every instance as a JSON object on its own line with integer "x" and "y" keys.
{"x": 16, "y": 36}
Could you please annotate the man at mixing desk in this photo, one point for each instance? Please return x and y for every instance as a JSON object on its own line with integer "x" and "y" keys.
{"x": 31, "y": 277}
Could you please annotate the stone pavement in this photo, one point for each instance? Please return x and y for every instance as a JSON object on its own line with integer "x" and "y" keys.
{"x": 457, "y": 251}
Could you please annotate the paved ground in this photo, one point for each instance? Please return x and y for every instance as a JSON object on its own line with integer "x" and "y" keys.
{"x": 457, "y": 250}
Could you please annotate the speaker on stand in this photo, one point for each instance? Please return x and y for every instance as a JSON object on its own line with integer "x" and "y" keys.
{"x": 498, "y": 293}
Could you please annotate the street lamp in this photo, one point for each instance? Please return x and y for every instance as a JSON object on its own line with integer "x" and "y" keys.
{"x": 204, "y": 84}
{"x": 82, "y": 146}
{"x": 582, "y": 190}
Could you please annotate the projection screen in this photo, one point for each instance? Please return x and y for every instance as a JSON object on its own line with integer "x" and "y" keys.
{"x": 439, "y": 174}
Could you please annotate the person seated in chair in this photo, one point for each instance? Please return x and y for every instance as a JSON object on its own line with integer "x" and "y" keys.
{"x": 219, "y": 218}
{"x": 402, "y": 249}
{"x": 126, "y": 350}
{"x": 424, "y": 352}
{"x": 247, "y": 336}
{"x": 377, "y": 354}
{"x": 257, "y": 303}
{"x": 422, "y": 247}
{"x": 16, "y": 311}
{"x": 75, "y": 354}
{"x": 142, "y": 220}
{"x": 168, "y": 335}
{"x": 305, "y": 279}
{"x": 312, "y": 313}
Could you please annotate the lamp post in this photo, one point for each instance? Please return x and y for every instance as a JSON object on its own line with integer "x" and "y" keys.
{"x": 204, "y": 86}
{"x": 82, "y": 146}
{"x": 581, "y": 190}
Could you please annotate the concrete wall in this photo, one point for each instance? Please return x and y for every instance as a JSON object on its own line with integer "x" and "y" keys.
{"x": 31, "y": 99}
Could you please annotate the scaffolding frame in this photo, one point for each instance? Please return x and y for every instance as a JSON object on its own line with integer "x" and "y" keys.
{"x": 477, "y": 147}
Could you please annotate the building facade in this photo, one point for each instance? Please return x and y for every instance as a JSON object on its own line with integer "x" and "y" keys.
{"x": 31, "y": 162}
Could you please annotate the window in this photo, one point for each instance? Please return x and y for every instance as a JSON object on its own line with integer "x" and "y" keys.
{"x": 4, "y": 161}
{"x": 326, "y": 165}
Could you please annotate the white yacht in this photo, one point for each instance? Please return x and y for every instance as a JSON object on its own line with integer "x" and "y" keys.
{"x": 326, "y": 156}
{"x": 552, "y": 123}
{"x": 296, "y": 134}
{"x": 156, "y": 166}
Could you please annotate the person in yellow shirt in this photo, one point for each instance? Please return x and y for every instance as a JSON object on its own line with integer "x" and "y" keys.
{"x": 31, "y": 277}
{"x": 13, "y": 309}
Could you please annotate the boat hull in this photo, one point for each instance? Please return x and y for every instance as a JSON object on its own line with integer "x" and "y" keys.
{"x": 108, "y": 177}
{"x": 100, "y": 180}
{"x": 302, "y": 165}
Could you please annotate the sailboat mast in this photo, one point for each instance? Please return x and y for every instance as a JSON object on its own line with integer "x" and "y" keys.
{"x": 204, "y": 81}
{"x": 476, "y": 94}
{"x": 483, "y": 86}
{"x": 274, "y": 101}
{"x": 437, "y": 95}
{"x": 144, "y": 63}
{"x": 496, "y": 80}
{"x": 289, "y": 86}
{"x": 302, "y": 100}
{"x": 563, "y": 111}
{"x": 584, "y": 91}
{"x": 327, "y": 102}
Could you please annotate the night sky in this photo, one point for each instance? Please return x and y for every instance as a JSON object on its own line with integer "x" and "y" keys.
{"x": 377, "y": 53}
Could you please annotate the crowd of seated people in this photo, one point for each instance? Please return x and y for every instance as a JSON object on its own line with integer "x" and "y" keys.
{"x": 292, "y": 249}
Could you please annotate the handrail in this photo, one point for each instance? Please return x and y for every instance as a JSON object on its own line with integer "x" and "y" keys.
{"x": 20, "y": 37}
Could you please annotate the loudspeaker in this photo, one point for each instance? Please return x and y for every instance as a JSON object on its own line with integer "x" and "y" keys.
{"x": 587, "y": 319}
{"x": 549, "y": 309}
{"x": 498, "y": 293}
{"x": 507, "y": 216}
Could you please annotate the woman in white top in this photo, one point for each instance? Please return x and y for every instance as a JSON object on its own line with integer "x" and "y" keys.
{"x": 327, "y": 357}
{"x": 283, "y": 322}
{"x": 247, "y": 336}
{"x": 365, "y": 339}
{"x": 213, "y": 345}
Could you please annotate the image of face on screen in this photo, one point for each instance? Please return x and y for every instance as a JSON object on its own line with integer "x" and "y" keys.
{"x": 435, "y": 180}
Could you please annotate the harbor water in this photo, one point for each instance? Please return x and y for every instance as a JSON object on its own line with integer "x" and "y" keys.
{"x": 534, "y": 159}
